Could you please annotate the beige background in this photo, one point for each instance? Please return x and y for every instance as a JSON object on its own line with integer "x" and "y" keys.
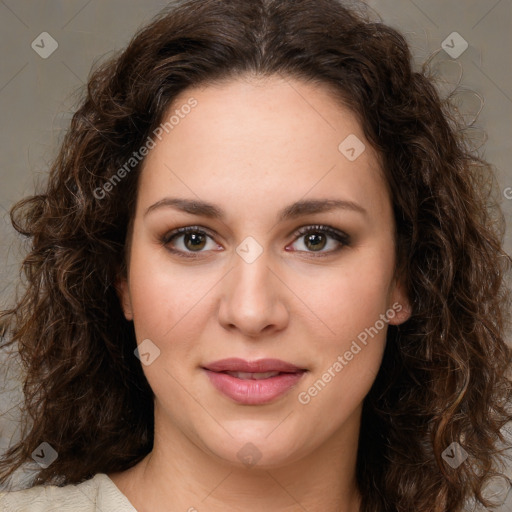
{"x": 37, "y": 95}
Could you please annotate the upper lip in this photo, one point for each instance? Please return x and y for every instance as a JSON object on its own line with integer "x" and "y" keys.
{"x": 235, "y": 364}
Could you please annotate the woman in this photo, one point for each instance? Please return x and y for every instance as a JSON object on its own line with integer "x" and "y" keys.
{"x": 263, "y": 276}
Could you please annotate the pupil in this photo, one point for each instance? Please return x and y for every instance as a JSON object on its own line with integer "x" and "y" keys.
{"x": 314, "y": 239}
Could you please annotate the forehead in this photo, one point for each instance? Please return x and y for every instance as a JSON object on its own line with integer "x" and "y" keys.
{"x": 273, "y": 139}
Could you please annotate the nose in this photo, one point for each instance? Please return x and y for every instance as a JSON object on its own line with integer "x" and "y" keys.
{"x": 253, "y": 299}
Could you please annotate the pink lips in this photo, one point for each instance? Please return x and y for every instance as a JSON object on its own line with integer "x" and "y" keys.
{"x": 251, "y": 390}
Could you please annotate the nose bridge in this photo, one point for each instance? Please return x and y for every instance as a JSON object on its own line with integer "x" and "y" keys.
{"x": 251, "y": 279}
{"x": 252, "y": 298}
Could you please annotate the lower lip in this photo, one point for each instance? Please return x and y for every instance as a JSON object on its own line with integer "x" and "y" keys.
{"x": 252, "y": 391}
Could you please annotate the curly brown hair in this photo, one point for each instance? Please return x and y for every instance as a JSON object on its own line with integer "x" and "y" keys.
{"x": 445, "y": 373}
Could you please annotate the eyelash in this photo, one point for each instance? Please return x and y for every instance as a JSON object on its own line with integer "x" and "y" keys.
{"x": 342, "y": 238}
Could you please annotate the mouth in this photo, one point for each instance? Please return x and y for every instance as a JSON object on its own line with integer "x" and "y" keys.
{"x": 253, "y": 382}
{"x": 253, "y": 376}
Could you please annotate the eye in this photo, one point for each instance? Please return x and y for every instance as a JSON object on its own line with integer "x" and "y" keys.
{"x": 314, "y": 239}
{"x": 193, "y": 240}
{"x": 190, "y": 241}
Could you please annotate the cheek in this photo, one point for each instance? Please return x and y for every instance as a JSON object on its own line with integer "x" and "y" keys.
{"x": 349, "y": 356}
{"x": 167, "y": 310}
{"x": 351, "y": 336}
{"x": 350, "y": 298}
{"x": 165, "y": 299}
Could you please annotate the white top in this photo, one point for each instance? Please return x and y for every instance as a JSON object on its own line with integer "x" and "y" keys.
{"x": 98, "y": 494}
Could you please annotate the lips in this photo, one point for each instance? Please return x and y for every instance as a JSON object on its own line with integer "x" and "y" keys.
{"x": 255, "y": 376}
{"x": 253, "y": 382}
{"x": 235, "y": 364}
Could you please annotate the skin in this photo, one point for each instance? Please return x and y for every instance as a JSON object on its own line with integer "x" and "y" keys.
{"x": 253, "y": 146}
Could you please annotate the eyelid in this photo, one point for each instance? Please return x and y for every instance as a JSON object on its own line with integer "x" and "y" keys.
{"x": 186, "y": 229}
{"x": 339, "y": 235}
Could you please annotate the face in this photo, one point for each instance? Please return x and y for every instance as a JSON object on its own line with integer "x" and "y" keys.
{"x": 292, "y": 259}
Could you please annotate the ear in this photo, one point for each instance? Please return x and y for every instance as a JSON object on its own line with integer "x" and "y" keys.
{"x": 399, "y": 304}
{"x": 123, "y": 292}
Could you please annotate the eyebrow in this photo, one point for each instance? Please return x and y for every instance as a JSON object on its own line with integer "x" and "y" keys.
{"x": 297, "y": 209}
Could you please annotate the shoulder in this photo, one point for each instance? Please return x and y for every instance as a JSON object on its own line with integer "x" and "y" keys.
{"x": 96, "y": 494}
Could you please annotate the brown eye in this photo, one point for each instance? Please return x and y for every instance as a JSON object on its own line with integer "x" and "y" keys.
{"x": 194, "y": 241}
{"x": 317, "y": 238}
{"x": 188, "y": 240}
{"x": 315, "y": 241}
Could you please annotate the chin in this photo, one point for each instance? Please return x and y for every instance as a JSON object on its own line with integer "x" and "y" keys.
{"x": 259, "y": 451}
